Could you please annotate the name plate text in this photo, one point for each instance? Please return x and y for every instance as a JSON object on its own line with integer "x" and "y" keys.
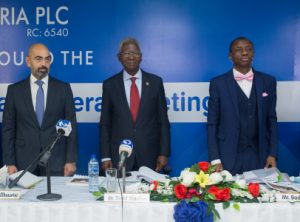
{"x": 127, "y": 197}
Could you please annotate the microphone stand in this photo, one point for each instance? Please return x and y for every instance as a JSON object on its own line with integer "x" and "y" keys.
{"x": 124, "y": 177}
{"x": 43, "y": 157}
{"x": 44, "y": 161}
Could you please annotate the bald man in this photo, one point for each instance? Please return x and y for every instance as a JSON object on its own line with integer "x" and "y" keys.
{"x": 32, "y": 108}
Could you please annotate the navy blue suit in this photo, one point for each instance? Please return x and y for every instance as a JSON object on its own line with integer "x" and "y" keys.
{"x": 23, "y": 138}
{"x": 151, "y": 132}
{"x": 224, "y": 126}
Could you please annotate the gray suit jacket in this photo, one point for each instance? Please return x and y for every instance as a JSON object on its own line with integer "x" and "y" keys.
{"x": 23, "y": 138}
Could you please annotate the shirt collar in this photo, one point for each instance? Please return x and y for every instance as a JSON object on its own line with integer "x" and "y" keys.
{"x": 127, "y": 76}
{"x": 33, "y": 79}
{"x": 235, "y": 72}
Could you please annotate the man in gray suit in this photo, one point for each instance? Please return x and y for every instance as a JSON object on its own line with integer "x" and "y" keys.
{"x": 134, "y": 107}
{"x": 32, "y": 108}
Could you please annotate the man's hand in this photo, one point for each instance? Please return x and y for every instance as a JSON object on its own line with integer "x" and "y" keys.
{"x": 161, "y": 162}
{"x": 69, "y": 169}
{"x": 219, "y": 167}
{"x": 271, "y": 162}
{"x": 106, "y": 164}
{"x": 12, "y": 169}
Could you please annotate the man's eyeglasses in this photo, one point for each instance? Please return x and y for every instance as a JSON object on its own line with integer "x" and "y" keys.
{"x": 40, "y": 59}
{"x": 128, "y": 54}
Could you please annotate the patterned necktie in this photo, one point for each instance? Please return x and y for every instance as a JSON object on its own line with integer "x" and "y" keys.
{"x": 134, "y": 100}
{"x": 39, "y": 105}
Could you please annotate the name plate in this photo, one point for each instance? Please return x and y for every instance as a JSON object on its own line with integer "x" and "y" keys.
{"x": 10, "y": 194}
{"x": 288, "y": 197}
{"x": 127, "y": 197}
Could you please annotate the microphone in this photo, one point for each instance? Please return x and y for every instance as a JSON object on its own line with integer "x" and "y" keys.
{"x": 125, "y": 151}
{"x": 63, "y": 128}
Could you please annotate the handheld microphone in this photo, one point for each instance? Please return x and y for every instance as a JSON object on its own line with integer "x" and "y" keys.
{"x": 63, "y": 127}
{"x": 125, "y": 151}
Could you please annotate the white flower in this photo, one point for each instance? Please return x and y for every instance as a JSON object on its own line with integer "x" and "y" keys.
{"x": 267, "y": 195}
{"x": 241, "y": 193}
{"x": 242, "y": 183}
{"x": 215, "y": 178}
{"x": 227, "y": 176}
{"x": 184, "y": 172}
{"x": 167, "y": 183}
{"x": 188, "y": 179}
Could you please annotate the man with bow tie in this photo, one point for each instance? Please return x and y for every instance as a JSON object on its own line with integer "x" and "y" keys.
{"x": 134, "y": 107}
{"x": 242, "y": 121}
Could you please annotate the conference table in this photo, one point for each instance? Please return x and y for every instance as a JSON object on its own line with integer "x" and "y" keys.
{"x": 78, "y": 205}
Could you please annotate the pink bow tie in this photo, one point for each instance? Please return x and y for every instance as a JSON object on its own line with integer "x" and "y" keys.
{"x": 240, "y": 77}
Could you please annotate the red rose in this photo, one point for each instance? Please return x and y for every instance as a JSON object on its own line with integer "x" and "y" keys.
{"x": 203, "y": 166}
{"x": 220, "y": 194}
{"x": 191, "y": 193}
{"x": 253, "y": 188}
{"x": 155, "y": 183}
{"x": 213, "y": 190}
{"x": 180, "y": 191}
{"x": 224, "y": 194}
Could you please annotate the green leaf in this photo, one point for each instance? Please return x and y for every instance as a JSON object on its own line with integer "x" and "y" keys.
{"x": 211, "y": 208}
{"x": 195, "y": 199}
{"x": 236, "y": 206}
{"x": 210, "y": 196}
{"x": 279, "y": 177}
{"x": 226, "y": 204}
{"x": 195, "y": 168}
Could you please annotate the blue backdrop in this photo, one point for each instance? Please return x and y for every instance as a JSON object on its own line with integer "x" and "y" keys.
{"x": 182, "y": 41}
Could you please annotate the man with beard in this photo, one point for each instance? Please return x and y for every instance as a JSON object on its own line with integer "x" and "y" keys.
{"x": 134, "y": 107}
{"x": 32, "y": 108}
{"x": 242, "y": 121}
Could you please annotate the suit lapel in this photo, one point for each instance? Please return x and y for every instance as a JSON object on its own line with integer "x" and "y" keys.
{"x": 258, "y": 81}
{"x": 29, "y": 103}
{"x": 145, "y": 93}
{"x": 231, "y": 85}
{"x": 51, "y": 95}
{"x": 120, "y": 89}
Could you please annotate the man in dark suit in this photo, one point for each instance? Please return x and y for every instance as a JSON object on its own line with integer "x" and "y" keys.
{"x": 242, "y": 121}
{"x": 134, "y": 107}
{"x": 32, "y": 108}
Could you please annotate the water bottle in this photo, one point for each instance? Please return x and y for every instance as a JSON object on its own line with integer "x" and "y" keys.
{"x": 93, "y": 174}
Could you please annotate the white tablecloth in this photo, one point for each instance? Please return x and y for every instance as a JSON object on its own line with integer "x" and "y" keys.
{"x": 78, "y": 205}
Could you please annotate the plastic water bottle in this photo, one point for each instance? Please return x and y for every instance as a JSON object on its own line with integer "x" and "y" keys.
{"x": 93, "y": 174}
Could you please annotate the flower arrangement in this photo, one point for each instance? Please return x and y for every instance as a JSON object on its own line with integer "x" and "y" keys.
{"x": 197, "y": 190}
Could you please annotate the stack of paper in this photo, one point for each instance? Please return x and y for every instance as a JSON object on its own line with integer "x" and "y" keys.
{"x": 150, "y": 175}
{"x": 262, "y": 175}
{"x": 79, "y": 180}
{"x": 28, "y": 180}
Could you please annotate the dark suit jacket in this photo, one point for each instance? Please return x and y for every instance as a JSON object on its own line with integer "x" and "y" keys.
{"x": 23, "y": 138}
{"x": 223, "y": 118}
{"x": 151, "y": 133}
